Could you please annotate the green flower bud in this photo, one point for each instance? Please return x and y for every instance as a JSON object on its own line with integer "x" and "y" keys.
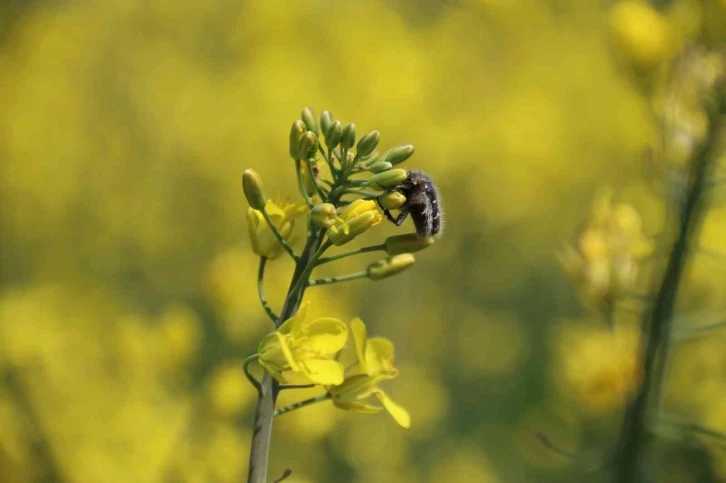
{"x": 252, "y": 186}
{"x": 368, "y": 143}
{"x": 326, "y": 118}
{"x": 333, "y": 134}
{"x": 348, "y": 139}
{"x": 380, "y": 167}
{"x": 387, "y": 179}
{"x": 310, "y": 120}
{"x": 399, "y": 154}
{"x": 324, "y": 215}
{"x": 408, "y": 243}
{"x": 296, "y": 132}
{"x": 390, "y": 266}
{"x": 391, "y": 200}
{"x": 308, "y": 144}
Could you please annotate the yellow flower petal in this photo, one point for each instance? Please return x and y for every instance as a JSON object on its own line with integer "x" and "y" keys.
{"x": 360, "y": 339}
{"x": 394, "y": 409}
{"x": 324, "y": 371}
{"x": 379, "y": 356}
{"x": 325, "y": 335}
{"x": 357, "y": 407}
{"x": 291, "y": 325}
{"x": 286, "y": 352}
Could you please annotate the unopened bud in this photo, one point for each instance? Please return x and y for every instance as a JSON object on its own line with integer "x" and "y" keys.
{"x": 388, "y": 179}
{"x": 391, "y": 200}
{"x": 368, "y": 143}
{"x": 380, "y": 167}
{"x": 408, "y": 243}
{"x": 324, "y": 215}
{"x": 252, "y": 186}
{"x": 390, "y": 266}
{"x": 308, "y": 144}
{"x": 310, "y": 120}
{"x": 326, "y": 118}
{"x": 399, "y": 154}
{"x": 296, "y": 132}
{"x": 333, "y": 134}
{"x": 348, "y": 136}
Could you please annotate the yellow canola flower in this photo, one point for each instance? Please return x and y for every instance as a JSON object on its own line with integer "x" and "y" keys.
{"x": 375, "y": 364}
{"x": 354, "y": 219}
{"x": 604, "y": 259}
{"x": 641, "y": 32}
{"x": 301, "y": 347}
{"x": 262, "y": 239}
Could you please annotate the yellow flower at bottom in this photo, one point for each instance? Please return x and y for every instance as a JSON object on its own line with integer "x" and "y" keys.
{"x": 356, "y": 218}
{"x": 262, "y": 239}
{"x": 375, "y": 364}
{"x": 301, "y": 351}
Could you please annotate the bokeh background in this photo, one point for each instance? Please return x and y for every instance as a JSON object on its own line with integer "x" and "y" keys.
{"x": 128, "y": 296}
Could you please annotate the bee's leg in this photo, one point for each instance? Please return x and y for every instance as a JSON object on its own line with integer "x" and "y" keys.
{"x": 399, "y": 219}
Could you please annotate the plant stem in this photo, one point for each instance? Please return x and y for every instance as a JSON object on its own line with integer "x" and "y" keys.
{"x": 350, "y": 253}
{"x": 655, "y": 341}
{"x": 249, "y": 375}
{"x": 307, "y": 402}
{"x": 269, "y": 388}
{"x": 261, "y": 290}
{"x": 341, "y": 278}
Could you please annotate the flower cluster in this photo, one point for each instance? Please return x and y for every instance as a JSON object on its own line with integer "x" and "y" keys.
{"x": 340, "y": 205}
{"x": 603, "y": 260}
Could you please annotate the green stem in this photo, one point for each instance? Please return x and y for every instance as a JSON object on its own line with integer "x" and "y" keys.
{"x": 632, "y": 445}
{"x": 341, "y": 278}
{"x": 269, "y": 388}
{"x": 313, "y": 400}
{"x": 248, "y": 373}
{"x": 350, "y": 253}
{"x": 261, "y": 290}
{"x": 305, "y": 276}
{"x": 318, "y": 189}
{"x": 277, "y": 235}
{"x": 301, "y": 184}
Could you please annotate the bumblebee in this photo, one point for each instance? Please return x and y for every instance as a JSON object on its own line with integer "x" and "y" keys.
{"x": 422, "y": 203}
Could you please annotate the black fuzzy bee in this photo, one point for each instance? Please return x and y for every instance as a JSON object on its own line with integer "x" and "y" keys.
{"x": 422, "y": 202}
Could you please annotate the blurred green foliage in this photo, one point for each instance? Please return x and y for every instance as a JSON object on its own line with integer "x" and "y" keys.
{"x": 128, "y": 286}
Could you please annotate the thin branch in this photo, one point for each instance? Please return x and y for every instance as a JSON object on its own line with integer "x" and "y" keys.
{"x": 261, "y": 290}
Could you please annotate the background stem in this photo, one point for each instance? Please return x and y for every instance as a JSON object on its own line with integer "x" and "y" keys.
{"x": 632, "y": 447}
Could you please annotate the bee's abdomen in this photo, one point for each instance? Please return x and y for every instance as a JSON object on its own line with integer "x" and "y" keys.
{"x": 434, "y": 210}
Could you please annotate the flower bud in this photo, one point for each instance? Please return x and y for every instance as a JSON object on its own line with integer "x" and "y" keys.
{"x": 391, "y": 200}
{"x": 348, "y": 136}
{"x": 380, "y": 167}
{"x": 399, "y": 154}
{"x": 408, "y": 243}
{"x": 390, "y": 266}
{"x": 326, "y": 118}
{"x": 333, "y": 134}
{"x": 388, "y": 179}
{"x": 324, "y": 215}
{"x": 310, "y": 120}
{"x": 308, "y": 144}
{"x": 368, "y": 143}
{"x": 296, "y": 132}
{"x": 252, "y": 186}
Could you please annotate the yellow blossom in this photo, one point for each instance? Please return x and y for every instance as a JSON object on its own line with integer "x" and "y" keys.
{"x": 604, "y": 258}
{"x": 262, "y": 239}
{"x": 641, "y": 32}
{"x": 354, "y": 219}
{"x": 306, "y": 348}
{"x": 374, "y": 365}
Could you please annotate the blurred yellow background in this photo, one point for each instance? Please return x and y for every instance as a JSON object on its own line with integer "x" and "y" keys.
{"x": 128, "y": 286}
